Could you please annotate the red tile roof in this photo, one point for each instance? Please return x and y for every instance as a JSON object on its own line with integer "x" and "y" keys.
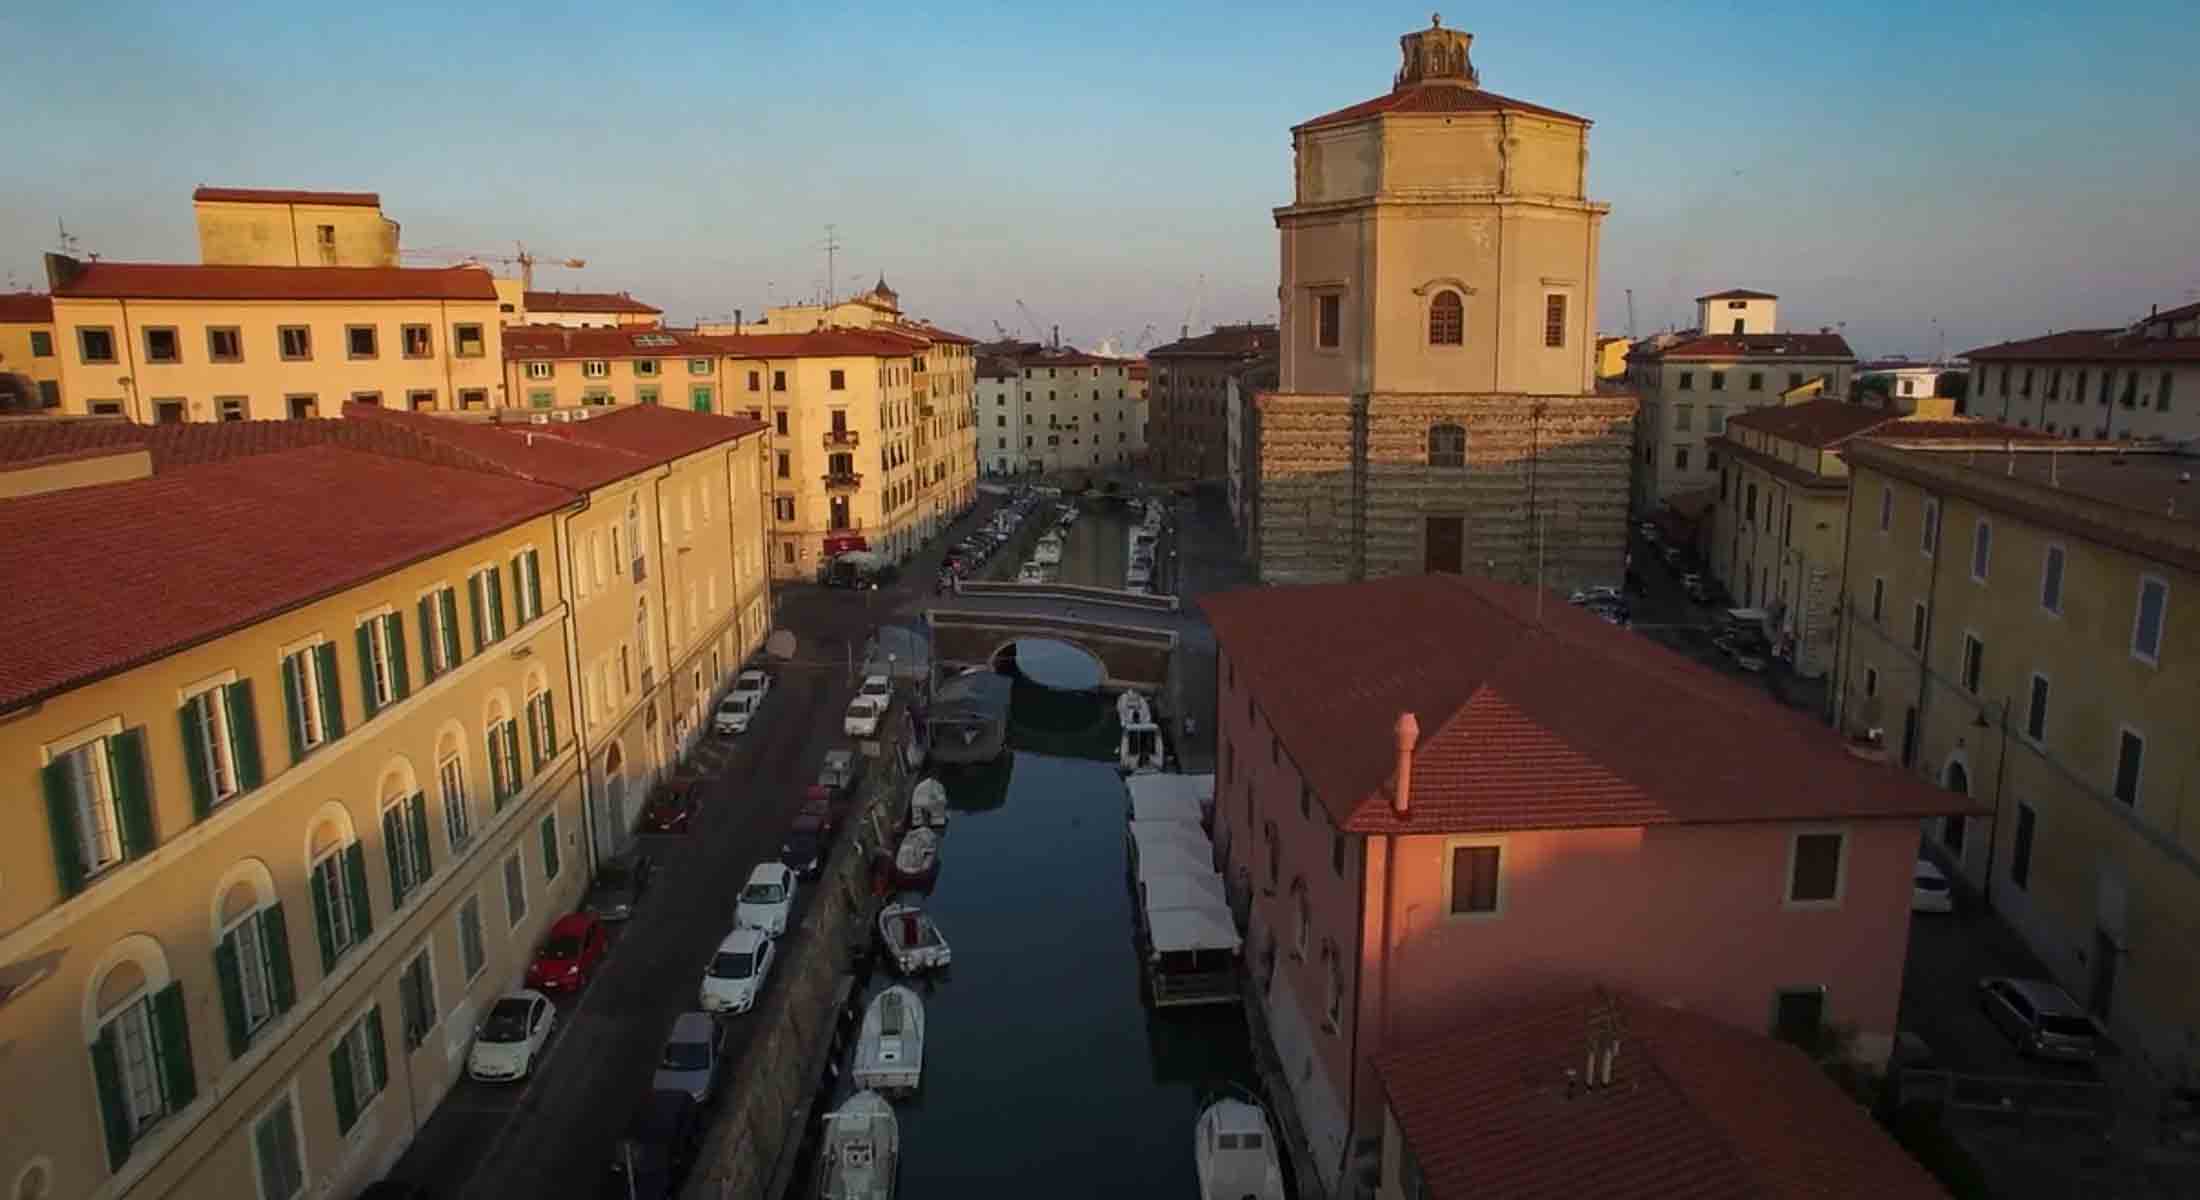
{"x": 1695, "y": 1108}
{"x": 1434, "y": 99}
{"x": 580, "y": 455}
{"x": 184, "y": 281}
{"x": 818, "y": 343}
{"x": 26, "y": 308}
{"x": 632, "y": 341}
{"x": 1227, "y": 341}
{"x": 1738, "y": 294}
{"x": 2091, "y": 345}
{"x": 1562, "y": 722}
{"x": 1753, "y": 345}
{"x": 286, "y": 196}
{"x": 58, "y": 439}
{"x": 587, "y": 302}
{"x": 129, "y": 572}
{"x": 929, "y": 331}
{"x": 1826, "y": 422}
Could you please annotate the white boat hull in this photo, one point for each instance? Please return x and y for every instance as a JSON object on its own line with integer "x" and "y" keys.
{"x": 862, "y": 1148}
{"x": 912, "y": 940}
{"x": 889, "y": 1056}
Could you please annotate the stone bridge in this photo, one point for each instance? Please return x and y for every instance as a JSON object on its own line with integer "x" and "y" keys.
{"x": 1134, "y": 636}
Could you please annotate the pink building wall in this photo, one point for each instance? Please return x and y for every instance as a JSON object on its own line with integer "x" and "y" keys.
{"x": 1694, "y": 916}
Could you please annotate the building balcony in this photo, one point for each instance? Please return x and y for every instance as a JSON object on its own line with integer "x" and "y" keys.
{"x": 845, "y": 527}
{"x": 840, "y": 439}
{"x": 843, "y": 481}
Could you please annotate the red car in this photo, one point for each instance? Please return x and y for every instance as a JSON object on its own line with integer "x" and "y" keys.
{"x": 570, "y": 955}
{"x": 817, "y": 803}
{"x": 672, "y": 809}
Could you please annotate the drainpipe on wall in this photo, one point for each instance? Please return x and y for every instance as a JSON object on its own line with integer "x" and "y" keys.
{"x": 129, "y": 359}
{"x": 1932, "y": 617}
{"x": 1408, "y": 733}
{"x": 562, "y": 531}
{"x": 1844, "y": 648}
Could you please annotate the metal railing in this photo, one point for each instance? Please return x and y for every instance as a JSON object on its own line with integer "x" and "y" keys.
{"x": 843, "y": 481}
{"x": 840, "y": 438}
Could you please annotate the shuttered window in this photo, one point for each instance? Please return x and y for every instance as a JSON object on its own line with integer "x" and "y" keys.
{"x": 405, "y": 842}
{"x": 313, "y": 706}
{"x": 252, "y": 965}
{"x": 141, "y": 1064}
{"x": 358, "y": 1067}
{"x": 342, "y": 913}
{"x": 221, "y": 744}
{"x": 97, "y": 807}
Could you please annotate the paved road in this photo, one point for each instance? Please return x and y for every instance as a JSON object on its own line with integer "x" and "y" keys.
{"x": 554, "y": 1134}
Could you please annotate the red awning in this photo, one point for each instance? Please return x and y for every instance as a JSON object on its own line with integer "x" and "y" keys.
{"x": 843, "y": 543}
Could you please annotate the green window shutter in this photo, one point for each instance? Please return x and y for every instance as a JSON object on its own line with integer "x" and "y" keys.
{"x": 332, "y": 696}
{"x": 549, "y": 726}
{"x": 393, "y": 843}
{"x": 550, "y": 847}
{"x": 244, "y": 733}
{"x": 477, "y": 599}
{"x": 496, "y": 603}
{"x": 366, "y": 669}
{"x": 126, "y": 763}
{"x": 324, "y": 921}
{"x": 294, "y": 709}
{"x": 511, "y": 753}
{"x": 232, "y": 985}
{"x": 114, "y": 1111}
{"x": 534, "y": 735}
{"x": 374, "y": 1047}
{"x": 427, "y": 639}
{"x": 423, "y": 865}
{"x": 194, "y": 761}
{"x": 496, "y": 774}
{"x": 401, "y": 683}
{"x": 172, "y": 1033}
{"x": 68, "y": 847}
{"x": 355, "y": 880}
{"x": 275, "y": 935}
{"x": 449, "y": 601}
{"x": 339, "y": 1074}
{"x": 534, "y": 582}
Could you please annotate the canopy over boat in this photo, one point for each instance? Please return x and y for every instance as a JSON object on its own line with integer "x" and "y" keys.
{"x": 1177, "y": 929}
{"x": 1170, "y": 797}
{"x": 1183, "y": 891}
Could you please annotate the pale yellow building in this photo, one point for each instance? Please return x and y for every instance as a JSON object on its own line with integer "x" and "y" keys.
{"x": 2138, "y": 381}
{"x": 30, "y": 370}
{"x": 1779, "y": 528}
{"x": 2021, "y": 625}
{"x": 563, "y": 367}
{"x": 1055, "y": 409}
{"x": 586, "y": 310}
{"x": 1691, "y": 383}
{"x": 162, "y": 343}
{"x": 1438, "y": 408}
{"x": 280, "y": 227}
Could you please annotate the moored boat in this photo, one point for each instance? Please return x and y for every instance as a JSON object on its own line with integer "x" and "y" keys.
{"x": 917, "y": 860}
{"x": 1236, "y": 1152}
{"x": 913, "y": 941}
{"x": 928, "y": 805}
{"x": 862, "y": 1144}
{"x": 889, "y": 1055}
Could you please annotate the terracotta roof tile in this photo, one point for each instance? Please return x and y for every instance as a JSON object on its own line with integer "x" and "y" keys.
{"x": 1753, "y": 345}
{"x": 818, "y": 343}
{"x": 2091, "y": 345}
{"x": 1695, "y": 1108}
{"x": 1817, "y": 423}
{"x": 580, "y": 455}
{"x": 111, "y": 576}
{"x": 26, "y": 308}
{"x": 1434, "y": 99}
{"x": 1227, "y": 341}
{"x": 55, "y": 439}
{"x": 633, "y": 341}
{"x": 188, "y": 281}
{"x": 1556, "y": 722}
{"x": 587, "y": 302}
{"x": 286, "y": 196}
{"x": 1738, "y": 294}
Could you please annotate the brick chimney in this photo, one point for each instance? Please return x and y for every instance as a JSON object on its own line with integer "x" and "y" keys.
{"x": 1408, "y": 731}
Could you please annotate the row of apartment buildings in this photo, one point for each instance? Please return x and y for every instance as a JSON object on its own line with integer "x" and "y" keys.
{"x": 367, "y": 704}
{"x": 1046, "y": 409}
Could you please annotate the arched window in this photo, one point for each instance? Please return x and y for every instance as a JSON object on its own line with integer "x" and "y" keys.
{"x": 251, "y": 953}
{"x": 140, "y": 1042}
{"x": 1447, "y": 446}
{"x": 502, "y": 742}
{"x": 404, "y": 833}
{"x": 450, "y": 786}
{"x": 641, "y": 637}
{"x": 634, "y": 538}
{"x": 336, "y": 872}
{"x": 1447, "y": 320}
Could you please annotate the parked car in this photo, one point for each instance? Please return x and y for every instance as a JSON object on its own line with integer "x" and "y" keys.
{"x": 654, "y": 1154}
{"x": 735, "y": 713}
{"x": 803, "y": 850}
{"x": 754, "y": 682}
{"x": 2041, "y": 1018}
{"x": 1749, "y": 652}
{"x": 1929, "y": 892}
{"x": 877, "y": 687}
{"x": 569, "y": 957}
{"x": 736, "y": 974}
{"x": 767, "y": 899}
{"x": 1601, "y": 591}
{"x": 621, "y": 882}
{"x": 509, "y": 1043}
{"x": 839, "y": 775}
{"x": 689, "y": 1061}
{"x": 1649, "y": 532}
{"x": 863, "y": 717}
{"x": 674, "y": 808}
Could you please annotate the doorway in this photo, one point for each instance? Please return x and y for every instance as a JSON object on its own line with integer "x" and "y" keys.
{"x": 1444, "y": 545}
{"x": 2103, "y": 990}
{"x": 1956, "y": 779}
{"x": 1909, "y": 737}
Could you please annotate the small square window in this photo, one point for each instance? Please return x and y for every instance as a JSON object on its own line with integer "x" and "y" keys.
{"x": 1476, "y": 884}
{"x": 224, "y": 344}
{"x": 1815, "y": 868}
{"x": 232, "y": 408}
{"x": 163, "y": 346}
{"x": 418, "y": 340}
{"x": 361, "y": 341}
{"x": 467, "y": 341}
{"x": 294, "y": 342}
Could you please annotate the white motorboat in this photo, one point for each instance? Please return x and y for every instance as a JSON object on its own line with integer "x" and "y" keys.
{"x": 1139, "y": 749}
{"x": 912, "y": 939}
{"x": 928, "y": 805}
{"x": 890, "y": 1049}
{"x": 1048, "y": 552}
{"x": 1031, "y": 572}
{"x": 1138, "y": 577}
{"x": 862, "y": 1144}
{"x": 917, "y": 859}
{"x": 1237, "y": 1153}
{"x": 1132, "y": 708}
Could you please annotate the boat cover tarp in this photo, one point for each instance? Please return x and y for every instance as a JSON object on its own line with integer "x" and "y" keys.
{"x": 1176, "y": 929}
{"x": 1163, "y": 859}
{"x": 1150, "y": 835}
{"x": 1183, "y": 891}
{"x": 1168, "y": 792}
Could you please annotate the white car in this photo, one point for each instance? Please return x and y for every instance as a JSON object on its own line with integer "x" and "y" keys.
{"x": 766, "y": 899}
{"x": 754, "y": 682}
{"x": 735, "y": 976}
{"x": 863, "y": 717}
{"x": 508, "y": 1043}
{"x": 1929, "y": 892}
{"x": 877, "y": 687}
{"x": 1597, "y": 592}
{"x": 735, "y": 712}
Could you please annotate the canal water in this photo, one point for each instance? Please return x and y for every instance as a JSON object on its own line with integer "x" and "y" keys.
{"x": 1046, "y": 1073}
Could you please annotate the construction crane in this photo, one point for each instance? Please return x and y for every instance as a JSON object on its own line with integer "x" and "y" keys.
{"x": 1038, "y": 331}
{"x": 1145, "y": 339}
{"x": 1630, "y": 314}
{"x": 524, "y": 260}
{"x": 1199, "y": 301}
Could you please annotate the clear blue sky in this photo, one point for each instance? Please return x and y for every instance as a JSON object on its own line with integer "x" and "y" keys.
{"x": 2003, "y": 168}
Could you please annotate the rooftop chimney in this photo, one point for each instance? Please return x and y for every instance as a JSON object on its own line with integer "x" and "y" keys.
{"x": 1409, "y": 732}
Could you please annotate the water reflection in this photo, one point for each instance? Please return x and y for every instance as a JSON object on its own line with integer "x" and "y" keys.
{"x": 1057, "y": 665}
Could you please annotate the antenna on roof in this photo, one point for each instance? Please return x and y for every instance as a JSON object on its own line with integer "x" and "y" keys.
{"x": 832, "y": 260}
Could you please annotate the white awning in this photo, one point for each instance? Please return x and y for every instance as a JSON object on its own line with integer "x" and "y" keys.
{"x": 1168, "y": 797}
{"x": 1163, "y": 859}
{"x": 1188, "y": 835}
{"x": 1176, "y": 929}
{"x": 1183, "y": 891}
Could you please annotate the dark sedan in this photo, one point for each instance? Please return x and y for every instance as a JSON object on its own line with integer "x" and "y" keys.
{"x": 621, "y": 882}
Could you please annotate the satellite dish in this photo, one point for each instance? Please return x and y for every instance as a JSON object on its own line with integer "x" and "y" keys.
{"x": 780, "y": 645}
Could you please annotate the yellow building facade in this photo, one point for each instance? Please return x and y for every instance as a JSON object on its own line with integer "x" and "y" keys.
{"x": 165, "y": 343}
{"x": 2018, "y": 622}
{"x": 273, "y": 227}
{"x": 284, "y": 850}
{"x": 30, "y": 367}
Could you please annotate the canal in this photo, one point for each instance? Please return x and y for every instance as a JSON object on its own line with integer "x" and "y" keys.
{"x": 1046, "y": 1073}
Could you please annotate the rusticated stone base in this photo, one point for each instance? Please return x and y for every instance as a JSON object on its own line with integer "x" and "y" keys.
{"x": 1555, "y": 463}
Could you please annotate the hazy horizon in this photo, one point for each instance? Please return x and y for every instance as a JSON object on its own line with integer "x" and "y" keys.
{"x": 2000, "y": 169}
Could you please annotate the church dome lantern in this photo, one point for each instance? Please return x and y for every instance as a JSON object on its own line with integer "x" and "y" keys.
{"x": 1436, "y": 55}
